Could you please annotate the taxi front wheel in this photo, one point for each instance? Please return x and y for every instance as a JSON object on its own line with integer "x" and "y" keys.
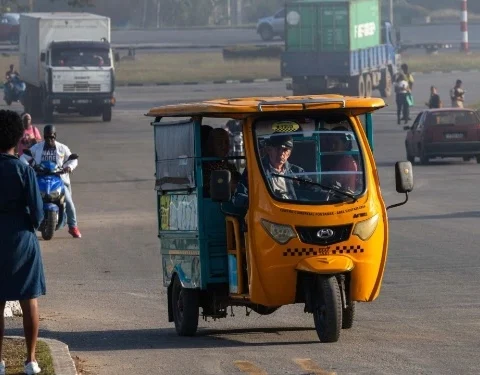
{"x": 185, "y": 303}
{"x": 327, "y": 313}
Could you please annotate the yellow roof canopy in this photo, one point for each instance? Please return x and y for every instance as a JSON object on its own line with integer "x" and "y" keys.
{"x": 242, "y": 107}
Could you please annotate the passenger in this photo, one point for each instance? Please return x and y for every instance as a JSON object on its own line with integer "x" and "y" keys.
{"x": 218, "y": 145}
{"x": 342, "y": 162}
{"x": 278, "y": 150}
{"x": 31, "y": 135}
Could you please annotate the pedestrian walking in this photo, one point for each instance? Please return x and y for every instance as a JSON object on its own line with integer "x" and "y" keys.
{"x": 401, "y": 91}
{"x": 457, "y": 94}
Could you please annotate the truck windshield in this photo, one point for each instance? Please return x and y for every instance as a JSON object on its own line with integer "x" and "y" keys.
{"x": 319, "y": 157}
{"x": 81, "y": 57}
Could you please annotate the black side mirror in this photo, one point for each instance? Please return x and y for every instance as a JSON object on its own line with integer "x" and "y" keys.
{"x": 43, "y": 57}
{"x": 28, "y": 152}
{"x": 116, "y": 57}
{"x": 403, "y": 180}
{"x": 72, "y": 157}
{"x": 220, "y": 185}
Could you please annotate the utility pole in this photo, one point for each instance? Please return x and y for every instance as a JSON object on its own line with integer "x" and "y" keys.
{"x": 391, "y": 12}
{"x": 30, "y": 5}
{"x": 229, "y": 12}
{"x": 158, "y": 14}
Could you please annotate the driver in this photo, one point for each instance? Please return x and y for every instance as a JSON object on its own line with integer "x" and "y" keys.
{"x": 275, "y": 162}
{"x": 51, "y": 150}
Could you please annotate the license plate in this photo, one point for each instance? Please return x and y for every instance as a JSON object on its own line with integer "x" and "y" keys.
{"x": 82, "y": 101}
{"x": 453, "y": 135}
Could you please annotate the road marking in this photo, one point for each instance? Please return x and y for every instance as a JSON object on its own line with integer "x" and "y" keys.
{"x": 308, "y": 365}
{"x": 249, "y": 368}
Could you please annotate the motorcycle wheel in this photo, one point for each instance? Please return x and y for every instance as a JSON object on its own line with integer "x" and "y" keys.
{"x": 49, "y": 225}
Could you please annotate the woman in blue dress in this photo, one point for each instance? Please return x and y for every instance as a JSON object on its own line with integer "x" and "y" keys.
{"x": 21, "y": 212}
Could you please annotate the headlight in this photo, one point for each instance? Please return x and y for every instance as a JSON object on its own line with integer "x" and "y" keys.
{"x": 364, "y": 229}
{"x": 279, "y": 232}
{"x": 54, "y": 195}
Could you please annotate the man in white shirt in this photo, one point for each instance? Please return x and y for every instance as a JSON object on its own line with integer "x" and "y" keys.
{"x": 51, "y": 150}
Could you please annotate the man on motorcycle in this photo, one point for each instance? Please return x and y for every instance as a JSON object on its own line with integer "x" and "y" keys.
{"x": 10, "y": 72}
{"x": 51, "y": 150}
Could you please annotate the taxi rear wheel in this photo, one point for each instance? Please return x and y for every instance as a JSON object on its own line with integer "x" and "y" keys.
{"x": 185, "y": 303}
{"x": 327, "y": 313}
{"x": 348, "y": 315}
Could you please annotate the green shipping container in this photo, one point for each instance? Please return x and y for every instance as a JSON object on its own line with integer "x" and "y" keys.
{"x": 332, "y": 25}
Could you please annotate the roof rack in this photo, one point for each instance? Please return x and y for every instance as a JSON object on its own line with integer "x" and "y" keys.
{"x": 303, "y": 102}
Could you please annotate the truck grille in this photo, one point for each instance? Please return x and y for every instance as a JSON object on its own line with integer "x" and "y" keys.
{"x": 81, "y": 87}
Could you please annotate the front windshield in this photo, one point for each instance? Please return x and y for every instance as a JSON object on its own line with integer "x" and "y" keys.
{"x": 81, "y": 57}
{"x": 319, "y": 157}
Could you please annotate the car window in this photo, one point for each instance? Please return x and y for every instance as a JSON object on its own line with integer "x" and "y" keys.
{"x": 280, "y": 13}
{"x": 417, "y": 121}
{"x": 452, "y": 118}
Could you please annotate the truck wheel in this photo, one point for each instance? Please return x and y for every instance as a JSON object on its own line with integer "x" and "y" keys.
{"x": 368, "y": 85}
{"x": 410, "y": 157}
{"x": 107, "y": 114}
{"x": 185, "y": 307}
{"x": 386, "y": 84}
{"x": 266, "y": 33}
{"x": 327, "y": 313}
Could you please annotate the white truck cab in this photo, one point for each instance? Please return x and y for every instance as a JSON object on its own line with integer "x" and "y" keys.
{"x": 67, "y": 63}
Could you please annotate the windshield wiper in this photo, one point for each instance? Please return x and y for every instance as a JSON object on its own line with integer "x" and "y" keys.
{"x": 329, "y": 188}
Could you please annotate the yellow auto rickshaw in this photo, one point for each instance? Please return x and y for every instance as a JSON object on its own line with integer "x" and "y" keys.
{"x": 304, "y": 222}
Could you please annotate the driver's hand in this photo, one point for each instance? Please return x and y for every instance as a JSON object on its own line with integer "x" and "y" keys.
{"x": 67, "y": 170}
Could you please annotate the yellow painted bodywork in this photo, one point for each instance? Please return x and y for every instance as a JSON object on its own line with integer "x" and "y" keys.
{"x": 272, "y": 275}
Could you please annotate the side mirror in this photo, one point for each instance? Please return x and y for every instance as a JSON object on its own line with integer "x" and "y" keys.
{"x": 116, "y": 57}
{"x": 72, "y": 157}
{"x": 43, "y": 57}
{"x": 220, "y": 185}
{"x": 28, "y": 152}
{"x": 406, "y": 127}
{"x": 404, "y": 176}
{"x": 403, "y": 180}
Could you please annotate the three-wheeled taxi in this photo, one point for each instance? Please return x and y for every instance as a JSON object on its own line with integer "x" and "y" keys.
{"x": 303, "y": 222}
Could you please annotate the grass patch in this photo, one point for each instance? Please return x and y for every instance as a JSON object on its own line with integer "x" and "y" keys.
{"x": 14, "y": 353}
{"x": 210, "y": 66}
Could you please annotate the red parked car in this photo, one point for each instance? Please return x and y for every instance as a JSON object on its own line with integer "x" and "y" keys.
{"x": 10, "y": 27}
{"x": 444, "y": 132}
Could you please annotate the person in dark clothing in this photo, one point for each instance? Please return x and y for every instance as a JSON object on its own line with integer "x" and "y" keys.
{"x": 21, "y": 212}
{"x": 434, "y": 101}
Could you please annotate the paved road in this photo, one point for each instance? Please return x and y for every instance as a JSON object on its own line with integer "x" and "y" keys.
{"x": 106, "y": 301}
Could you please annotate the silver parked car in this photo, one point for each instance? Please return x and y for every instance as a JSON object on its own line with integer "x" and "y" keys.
{"x": 272, "y": 26}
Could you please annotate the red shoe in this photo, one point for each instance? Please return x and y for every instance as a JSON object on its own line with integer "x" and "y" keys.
{"x": 74, "y": 232}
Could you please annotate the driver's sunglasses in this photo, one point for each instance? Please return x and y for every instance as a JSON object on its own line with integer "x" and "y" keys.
{"x": 49, "y": 137}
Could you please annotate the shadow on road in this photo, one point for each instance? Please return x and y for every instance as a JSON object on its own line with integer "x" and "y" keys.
{"x": 168, "y": 339}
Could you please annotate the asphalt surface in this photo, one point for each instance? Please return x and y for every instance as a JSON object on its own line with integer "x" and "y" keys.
{"x": 105, "y": 296}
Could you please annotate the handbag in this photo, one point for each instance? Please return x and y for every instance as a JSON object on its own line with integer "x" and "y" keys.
{"x": 409, "y": 98}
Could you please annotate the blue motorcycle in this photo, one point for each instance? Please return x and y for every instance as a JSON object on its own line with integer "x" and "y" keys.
{"x": 52, "y": 189}
{"x": 14, "y": 90}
